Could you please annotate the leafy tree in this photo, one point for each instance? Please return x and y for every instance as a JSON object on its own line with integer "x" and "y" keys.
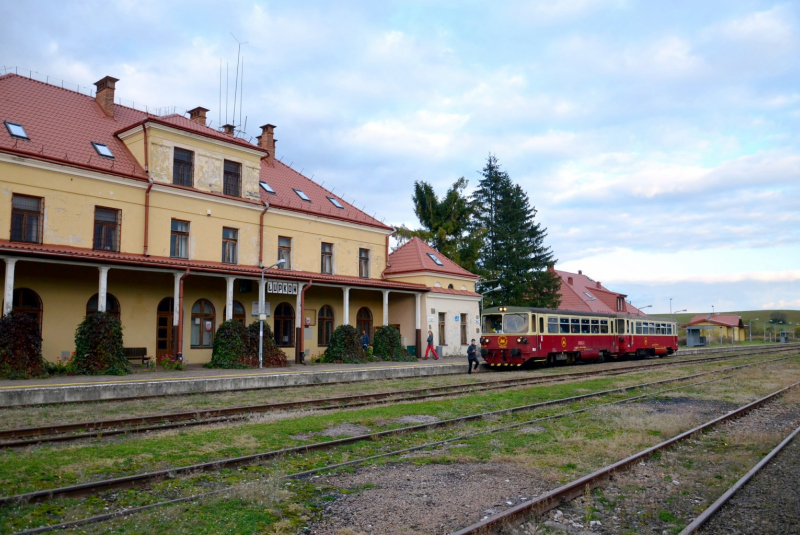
{"x": 98, "y": 346}
{"x": 513, "y": 252}
{"x": 20, "y": 347}
{"x": 777, "y": 317}
{"x": 446, "y": 222}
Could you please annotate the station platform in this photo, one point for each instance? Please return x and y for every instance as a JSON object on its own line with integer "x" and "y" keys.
{"x": 196, "y": 379}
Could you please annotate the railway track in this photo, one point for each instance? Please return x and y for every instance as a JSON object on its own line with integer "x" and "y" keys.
{"x": 140, "y": 480}
{"x": 306, "y": 473}
{"x": 22, "y": 437}
{"x": 576, "y": 488}
{"x": 706, "y": 515}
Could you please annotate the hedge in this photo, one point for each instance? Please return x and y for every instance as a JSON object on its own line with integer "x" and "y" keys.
{"x": 236, "y": 346}
{"x": 388, "y": 345}
{"x": 20, "y": 347}
{"x": 345, "y": 346}
{"x": 98, "y": 346}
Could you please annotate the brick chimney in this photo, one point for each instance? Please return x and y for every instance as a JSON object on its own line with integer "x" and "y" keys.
{"x": 267, "y": 141}
{"x": 551, "y": 268}
{"x": 228, "y": 129}
{"x": 198, "y": 115}
{"x": 580, "y": 272}
{"x": 569, "y": 280}
{"x": 599, "y": 287}
{"x": 105, "y": 94}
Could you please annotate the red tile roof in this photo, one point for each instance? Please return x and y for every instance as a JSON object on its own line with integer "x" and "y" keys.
{"x": 130, "y": 259}
{"x": 61, "y": 125}
{"x": 727, "y": 320}
{"x": 412, "y": 257}
{"x": 450, "y": 291}
{"x": 573, "y": 296}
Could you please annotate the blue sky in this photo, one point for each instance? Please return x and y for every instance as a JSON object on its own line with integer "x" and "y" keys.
{"x": 657, "y": 139}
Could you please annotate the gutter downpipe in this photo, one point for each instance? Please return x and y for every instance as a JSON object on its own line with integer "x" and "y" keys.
{"x": 261, "y": 235}
{"x": 300, "y": 357}
{"x": 180, "y": 317}
{"x": 147, "y": 192}
{"x": 386, "y": 257}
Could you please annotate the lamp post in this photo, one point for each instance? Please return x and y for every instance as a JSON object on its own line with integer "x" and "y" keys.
{"x": 262, "y": 315}
{"x": 489, "y": 291}
{"x": 712, "y": 310}
{"x": 750, "y": 328}
{"x": 670, "y": 306}
{"x": 642, "y": 308}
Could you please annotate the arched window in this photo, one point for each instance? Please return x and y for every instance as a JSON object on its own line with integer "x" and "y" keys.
{"x": 203, "y": 320}
{"x": 324, "y": 325}
{"x": 26, "y": 301}
{"x": 238, "y": 313}
{"x": 284, "y": 325}
{"x": 364, "y": 321}
{"x": 164, "y": 326}
{"x": 112, "y": 305}
{"x": 449, "y": 286}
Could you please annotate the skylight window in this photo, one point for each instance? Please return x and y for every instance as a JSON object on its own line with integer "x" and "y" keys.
{"x": 266, "y": 187}
{"x": 302, "y": 195}
{"x": 336, "y": 202}
{"x": 16, "y": 130}
{"x": 435, "y": 259}
{"x": 103, "y": 150}
{"x": 587, "y": 294}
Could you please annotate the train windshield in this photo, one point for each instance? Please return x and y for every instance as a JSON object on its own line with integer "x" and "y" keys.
{"x": 492, "y": 323}
{"x": 515, "y": 323}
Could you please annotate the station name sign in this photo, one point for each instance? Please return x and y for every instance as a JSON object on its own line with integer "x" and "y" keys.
{"x": 281, "y": 287}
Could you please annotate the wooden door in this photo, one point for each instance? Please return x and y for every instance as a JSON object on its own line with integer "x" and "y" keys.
{"x": 164, "y": 328}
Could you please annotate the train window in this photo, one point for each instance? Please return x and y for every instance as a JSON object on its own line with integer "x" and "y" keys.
{"x": 564, "y": 325}
{"x": 541, "y": 325}
{"x": 595, "y": 326}
{"x": 620, "y": 326}
{"x": 575, "y": 326}
{"x": 652, "y": 328}
{"x": 533, "y": 323}
{"x": 585, "y": 326}
{"x": 639, "y": 327}
{"x": 492, "y": 323}
{"x": 552, "y": 325}
{"x": 669, "y": 328}
{"x": 603, "y": 326}
{"x": 515, "y": 323}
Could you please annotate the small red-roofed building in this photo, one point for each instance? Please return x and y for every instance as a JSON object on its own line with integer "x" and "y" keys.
{"x": 451, "y": 306}
{"x": 715, "y": 328}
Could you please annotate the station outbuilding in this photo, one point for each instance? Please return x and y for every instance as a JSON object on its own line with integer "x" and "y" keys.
{"x": 706, "y": 328}
{"x": 168, "y": 223}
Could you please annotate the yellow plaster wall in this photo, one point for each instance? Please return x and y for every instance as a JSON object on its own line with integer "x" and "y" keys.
{"x": 431, "y": 280}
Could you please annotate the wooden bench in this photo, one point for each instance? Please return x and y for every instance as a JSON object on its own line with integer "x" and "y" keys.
{"x": 137, "y": 353}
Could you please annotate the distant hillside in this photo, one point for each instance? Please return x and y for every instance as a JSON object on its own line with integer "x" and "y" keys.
{"x": 748, "y": 316}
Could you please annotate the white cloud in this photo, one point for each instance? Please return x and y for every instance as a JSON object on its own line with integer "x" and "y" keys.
{"x": 782, "y": 305}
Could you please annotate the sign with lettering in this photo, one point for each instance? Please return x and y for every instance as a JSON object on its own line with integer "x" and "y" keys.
{"x": 281, "y": 287}
{"x": 254, "y": 307}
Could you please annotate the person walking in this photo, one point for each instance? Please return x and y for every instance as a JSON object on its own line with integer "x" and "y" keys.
{"x": 472, "y": 357}
{"x": 430, "y": 348}
{"x": 364, "y": 340}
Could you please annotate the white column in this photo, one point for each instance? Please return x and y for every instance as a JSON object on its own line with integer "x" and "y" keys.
{"x": 103, "y": 291}
{"x": 417, "y": 311}
{"x": 8, "y": 294}
{"x": 229, "y": 298}
{"x": 346, "y": 318}
{"x": 176, "y": 297}
{"x": 385, "y": 308}
{"x": 262, "y": 292}
{"x": 299, "y": 320}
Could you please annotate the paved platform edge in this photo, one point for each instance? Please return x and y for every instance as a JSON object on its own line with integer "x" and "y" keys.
{"x": 40, "y": 395}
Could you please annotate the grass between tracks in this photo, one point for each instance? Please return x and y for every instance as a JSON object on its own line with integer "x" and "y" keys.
{"x": 561, "y": 450}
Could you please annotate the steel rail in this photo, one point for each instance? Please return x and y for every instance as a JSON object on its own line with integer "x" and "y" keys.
{"x": 143, "y": 424}
{"x": 706, "y": 515}
{"x": 576, "y": 488}
{"x": 305, "y": 473}
{"x": 137, "y": 480}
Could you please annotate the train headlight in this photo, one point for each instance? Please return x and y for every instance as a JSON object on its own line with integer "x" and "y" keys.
{"x": 524, "y": 340}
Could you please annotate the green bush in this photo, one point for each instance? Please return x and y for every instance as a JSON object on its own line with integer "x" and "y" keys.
{"x": 388, "y": 346}
{"x": 98, "y": 346}
{"x": 345, "y": 346}
{"x": 272, "y": 356}
{"x": 229, "y": 346}
{"x": 20, "y": 347}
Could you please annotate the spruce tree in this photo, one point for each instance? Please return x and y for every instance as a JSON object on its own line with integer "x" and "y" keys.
{"x": 514, "y": 253}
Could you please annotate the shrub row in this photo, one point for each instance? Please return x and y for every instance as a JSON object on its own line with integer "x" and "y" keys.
{"x": 345, "y": 346}
{"x": 236, "y": 346}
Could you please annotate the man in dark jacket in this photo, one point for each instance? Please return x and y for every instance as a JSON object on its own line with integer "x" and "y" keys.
{"x": 472, "y": 357}
{"x": 364, "y": 340}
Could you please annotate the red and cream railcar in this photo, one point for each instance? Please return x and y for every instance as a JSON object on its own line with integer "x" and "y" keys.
{"x": 513, "y": 336}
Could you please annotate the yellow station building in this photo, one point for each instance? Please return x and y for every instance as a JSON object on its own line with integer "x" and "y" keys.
{"x": 167, "y": 223}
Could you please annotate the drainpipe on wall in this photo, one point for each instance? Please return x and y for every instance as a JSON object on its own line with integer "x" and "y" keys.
{"x": 147, "y": 192}
{"x": 386, "y": 257}
{"x": 179, "y": 354}
{"x": 261, "y": 236}
{"x": 300, "y": 354}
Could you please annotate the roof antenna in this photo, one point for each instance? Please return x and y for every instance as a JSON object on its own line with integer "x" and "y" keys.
{"x": 236, "y": 84}
{"x": 219, "y": 111}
